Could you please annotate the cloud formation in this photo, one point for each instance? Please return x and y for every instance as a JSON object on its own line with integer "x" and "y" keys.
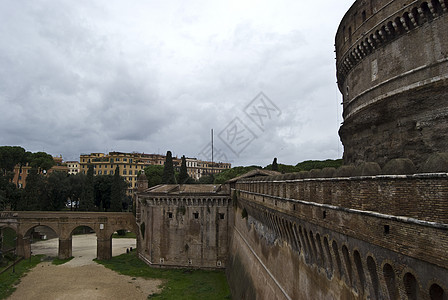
{"x": 150, "y": 76}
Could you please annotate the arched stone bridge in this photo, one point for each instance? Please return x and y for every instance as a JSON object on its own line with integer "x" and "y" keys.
{"x": 63, "y": 224}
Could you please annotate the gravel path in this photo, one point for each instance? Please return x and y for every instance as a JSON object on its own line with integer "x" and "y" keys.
{"x": 81, "y": 278}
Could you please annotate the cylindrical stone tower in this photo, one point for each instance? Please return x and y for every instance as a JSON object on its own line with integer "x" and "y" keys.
{"x": 392, "y": 69}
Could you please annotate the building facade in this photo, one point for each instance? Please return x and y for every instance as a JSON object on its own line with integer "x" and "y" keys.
{"x": 21, "y": 172}
{"x": 184, "y": 225}
{"x": 130, "y": 164}
{"x": 73, "y": 167}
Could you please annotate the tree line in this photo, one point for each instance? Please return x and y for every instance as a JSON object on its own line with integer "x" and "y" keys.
{"x": 57, "y": 190}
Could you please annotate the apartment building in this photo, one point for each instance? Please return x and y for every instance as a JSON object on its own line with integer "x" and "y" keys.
{"x": 21, "y": 172}
{"x": 131, "y": 163}
{"x": 73, "y": 167}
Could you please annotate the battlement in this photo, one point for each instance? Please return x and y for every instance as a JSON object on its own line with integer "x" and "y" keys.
{"x": 420, "y": 197}
{"x": 368, "y": 26}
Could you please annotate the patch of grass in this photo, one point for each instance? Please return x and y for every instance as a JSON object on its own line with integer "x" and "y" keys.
{"x": 127, "y": 235}
{"x": 178, "y": 283}
{"x": 58, "y": 261}
{"x": 9, "y": 280}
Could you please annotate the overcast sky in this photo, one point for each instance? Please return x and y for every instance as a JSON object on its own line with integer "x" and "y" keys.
{"x": 150, "y": 76}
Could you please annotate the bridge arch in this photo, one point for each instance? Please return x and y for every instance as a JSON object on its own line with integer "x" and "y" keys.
{"x": 63, "y": 224}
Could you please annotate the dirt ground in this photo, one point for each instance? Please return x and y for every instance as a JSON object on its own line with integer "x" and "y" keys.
{"x": 81, "y": 278}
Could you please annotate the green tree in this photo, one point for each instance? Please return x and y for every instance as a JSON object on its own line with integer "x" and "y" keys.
{"x": 168, "y": 170}
{"x": 319, "y": 164}
{"x": 207, "y": 179}
{"x": 34, "y": 194}
{"x": 154, "y": 175}
{"x": 183, "y": 174}
{"x": 87, "y": 201}
{"x": 117, "y": 192}
{"x": 102, "y": 191}
{"x": 232, "y": 173}
{"x": 41, "y": 161}
{"x": 10, "y": 156}
{"x": 57, "y": 191}
{"x": 10, "y": 195}
{"x": 274, "y": 166}
{"x": 76, "y": 183}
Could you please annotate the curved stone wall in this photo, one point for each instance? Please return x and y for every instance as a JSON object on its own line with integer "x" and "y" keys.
{"x": 392, "y": 69}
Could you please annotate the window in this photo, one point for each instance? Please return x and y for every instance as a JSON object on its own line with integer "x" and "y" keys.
{"x": 170, "y": 215}
{"x": 125, "y": 159}
{"x": 100, "y": 172}
{"x": 364, "y": 16}
{"x": 221, "y": 216}
{"x": 111, "y": 172}
{"x": 386, "y": 229}
{"x": 196, "y": 215}
{"x": 124, "y": 172}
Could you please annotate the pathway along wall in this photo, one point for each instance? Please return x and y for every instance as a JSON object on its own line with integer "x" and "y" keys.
{"x": 392, "y": 69}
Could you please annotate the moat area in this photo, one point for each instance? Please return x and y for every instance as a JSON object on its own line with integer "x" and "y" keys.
{"x": 81, "y": 277}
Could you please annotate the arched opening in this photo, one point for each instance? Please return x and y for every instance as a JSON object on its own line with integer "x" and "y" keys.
{"x": 43, "y": 241}
{"x": 408, "y": 21}
{"x": 437, "y": 7}
{"x": 308, "y": 245}
{"x": 123, "y": 241}
{"x": 371, "y": 266}
{"x": 391, "y": 28}
{"x": 416, "y": 16}
{"x": 83, "y": 244}
{"x": 410, "y": 286}
{"x": 313, "y": 245}
{"x": 8, "y": 244}
{"x": 436, "y": 292}
{"x": 359, "y": 269}
{"x": 426, "y": 11}
{"x": 348, "y": 263}
{"x": 306, "y": 249}
{"x": 297, "y": 238}
{"x": 327, "y": 250}
{"x": 389, "y": 278}
{"x": 337, "y": 257}
{"x": 321, "y": 250}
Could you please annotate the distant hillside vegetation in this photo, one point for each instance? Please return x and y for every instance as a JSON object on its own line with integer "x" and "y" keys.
{"x": 282, "y": 168}
{"x": 233, "y": 172}
{"x": 319, "y": 164}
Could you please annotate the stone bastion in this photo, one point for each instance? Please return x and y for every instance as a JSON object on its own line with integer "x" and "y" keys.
{"x": 392, "y": 69}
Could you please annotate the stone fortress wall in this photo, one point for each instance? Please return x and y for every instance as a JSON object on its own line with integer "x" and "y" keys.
{"x": 392, "y": 69}
{"x": 184, "y": 229}
{"x": 374, "y": 237}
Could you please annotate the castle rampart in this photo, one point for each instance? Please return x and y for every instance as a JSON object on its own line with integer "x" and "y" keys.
{"x": 392, "y": 69}
{"x": 300, "y": 237}
{"x": 184, "y": 226}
